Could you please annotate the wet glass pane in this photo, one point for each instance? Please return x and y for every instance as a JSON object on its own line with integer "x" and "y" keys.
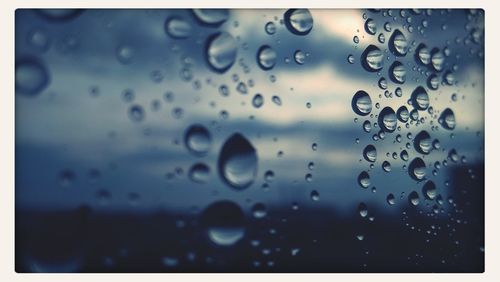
{"x": 214, "y": 140}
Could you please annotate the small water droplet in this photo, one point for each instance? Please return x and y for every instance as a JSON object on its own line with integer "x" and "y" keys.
{"x": 211, "y": 17}
{"x": 136, "y": 113}
{"x": 300, "y": 57}
{"x": 270, "y": 28}
{"x": 387, "y": 119}
{"x": 398, "y": 43}
{"x": 199, "y": 173}
{"x": 386, "y": 166}
{"x": 315, "y": 195}
{"x": 398, "y": 72}
{"x": 370, "y": 153}
{"x": 420, "y": 98}
{"x": 370, "y": 26}
{"x": 259, "y": 210}
{"x": 417, "y": 169}
{"x": 429, "y": 190}
{"x": 413, "y": 198}
{"x": 391, "y": 200}
{"x": 363, "y": 209}
{"x": 197, "y": 139}
{"x": 447, "y": 119}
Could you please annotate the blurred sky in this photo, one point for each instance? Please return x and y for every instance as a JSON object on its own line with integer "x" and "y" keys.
{"x": 65, "y": 127}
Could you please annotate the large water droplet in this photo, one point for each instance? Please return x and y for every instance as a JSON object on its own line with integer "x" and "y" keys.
{"x": 298, "y": 21}
{"x": 387, "y": 119}
{"x": 211, "y": 17}
{"x": 397, "y": 72}
{"x": 199, "y": 173}
{"x": 437, "y": 59}
{"x": 372, "y": 58}
{"x": 177, "y": 27}
{"x": 420, "y": 98}
{"x": 398, "y": 43}
{"x": 237, "y": 162}
{"x": 31, "y": 76}
{"x": 364, "y": 179}
{"x": 224, "y": 223}
{"x": 370, "y": 153}
{"x": 429, "y": 190}
{"x": 60, "y": 14}
{"x": 403, "y": 114}
{"x": 417, "y": 168}
{"x": 423, "y": 142}
{"x": 447, "y": 119}
{"x": 198, "y": 139}
{"x": 266, "y": 57}
{"x": 423, "y": 54}
{"x": 361, "y": 103}
{"x": 221, "y": 50}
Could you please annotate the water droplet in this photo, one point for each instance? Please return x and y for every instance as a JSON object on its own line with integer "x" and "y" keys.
{"x": 31, "y": 76}
{"x": 447, "y": 119}
{"x": 177, "y": 28}
{"x": 59, "y": 14}
{"x": 424, "y": 55}
{"x": 437, "y": 59}
{"x": 433, "y": 82}
{"x": 224, "y": 223}
{"x": 237, "y": 162}
{"x": 429, "y": 190}
{"x": 417, "y": 169}
{"x": 363, "y": 209}
{"x": 381, "y": 38}
{"x": 125, "y": 54}
{"x": 315, "y": 195}
{"x": 66, "y": 178}
{"x": 371, "y": 26}
{"x": 211, "y": 17}
{"x": 298, "y": 21}
{"x": 136, "y": 113}
{"x": 386, "y": 166}
{"x": 259, "y": 210}
{"x": 387, "y": 119}
{"x": 270, "y": 28}
{"x": 197, "y": 139}
{"x": 199, "y": 173}
{"x": 388, "y": 27}
{"x": 350, "y": 59}
{"x": 382, "y": 83}
{"x": 420, "y": 98}
{"x": 398, "y": 43}
{"x": 361, "y": 103}
{"x": 276, "y": 100}
{"x": 314, "y": 146}
{"x": 403, "y": 114}
{"x": 413, "y": 198}
{"x": 391, "y": 200}
{"x": 367, "y": 126}
{"x": 258, "y": 101}
{"x": 266, "y": 57}
{"x": 269, "y": 176}
{"x": 372, "y": 59}
{"x": 310, "y": 165}
{"x": 423, "y": 143}
{"x": 355, "y": 39}
{"x": 300, "y": 57}
{"x": 398, "y": 72}
{"x": 242, "y": 88}
{"x": 309, "y": 177}
{"x": 364, "y": 179}
{"x": 370, "y": 153}
{"x": 453, "y": 155}
{"x": 39, "y": 39}
{"x": 221, "y": 50}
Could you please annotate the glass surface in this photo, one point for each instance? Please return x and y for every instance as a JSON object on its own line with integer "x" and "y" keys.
{"x": 249, "y": 140}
